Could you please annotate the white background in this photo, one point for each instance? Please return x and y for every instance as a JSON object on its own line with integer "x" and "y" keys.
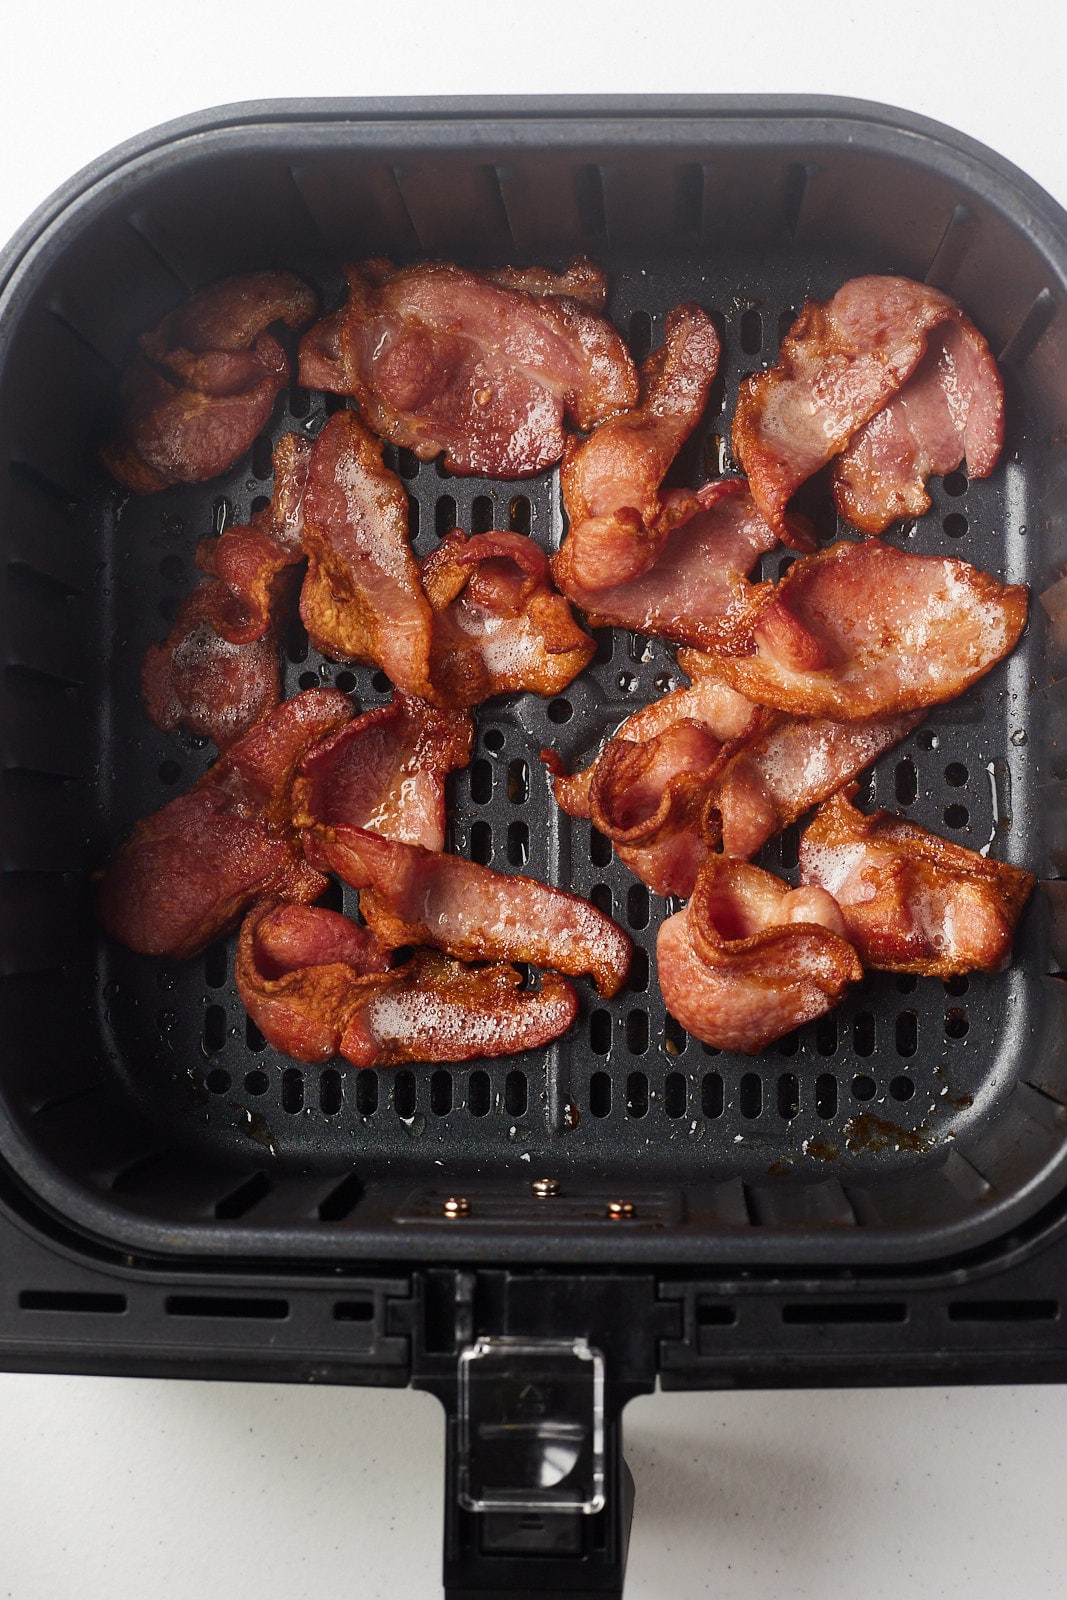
{"x": 127, "y": 1488}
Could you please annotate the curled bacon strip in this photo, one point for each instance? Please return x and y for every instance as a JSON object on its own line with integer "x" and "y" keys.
{"x": 414, "y": 896}
{"x": 386, "y": 771}
{"x": 499, "y": 626}
{"x": 216, "y": 673}
{"x": 911, "y": 901}
{"x": 362, "y": 599}
{"x": 205, "y": 381}
{"x": 697, "y": 592}
{"x": 611, "y": 482}
{"x": 188, "y": 871}
{"x": 481, "y": 366}
{"x": 749, "y": 959}
{"x": 865, "y": 630}
{"x": 317, "y": 986}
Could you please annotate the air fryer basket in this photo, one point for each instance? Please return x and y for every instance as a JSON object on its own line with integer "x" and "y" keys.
{"x": 919, "y": 1119}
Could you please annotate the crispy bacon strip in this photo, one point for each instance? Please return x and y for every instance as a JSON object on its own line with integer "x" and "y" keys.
{"x": 866, "y": 630}
{"x": 414, "y": 896}
{"x": 840, "y": 363}
{"x": 697, "y": 593}
{"x": 483, "y": 367}
{"x": 950, "y": 409}
{"x": 188, "y": 871}
{"x": 362, "y": 599}
{"x": 205, "y": 380}
{"x": 386, "y": 771}
{"x": 317, "y": 986}
{"x": 749, "y": 959}
{"x": 216, "y": 673}
{"x": 911, "y": 901}
{"x": 611, "y": 483}
{"x": 499, "y": 626}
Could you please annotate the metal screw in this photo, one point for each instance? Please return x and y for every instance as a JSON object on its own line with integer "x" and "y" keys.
{"x": 546, "y": 1188}
{"x": 621, "y": 1210}
{"x": 457, "y": 1205}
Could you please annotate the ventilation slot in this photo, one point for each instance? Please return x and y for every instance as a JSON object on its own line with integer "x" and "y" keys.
{"x": 441, "y": 1092}
{"x": 353, "y": 1311}
{"x": 404, "y": 1094}
{"x": 600, "y": 1094}
{"x": 70, "y": 1300}
{"x": 826, "y": 1095}
{"x": 516, "y": 1094}
{"x": 292, "y": 1090}
{"x": 1003, "y": 1310}
{"x": 479, "y": 1094}
{"x": 366, "y": 1092}
{"x": 674, "y": 1094}
{"x": 637, "y": 1095}
{"x": 712, "y": 1095}
{"x": 712, "y": 1314}
{"x": 788, "y": 1096}
{"x": 343, "y": 1200}
{"x": 240, "y": 1307}
{"x": 241, "y": 1200}
{"x": 750, "y": 1094}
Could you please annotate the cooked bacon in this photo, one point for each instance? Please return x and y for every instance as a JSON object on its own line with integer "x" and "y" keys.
{"x": 950, "y": 409}
{"x": 205, "y": 381}
{"x": 217, "y": 671}
{"x": 317, "y": 986}
{"x": 611, "y": 482}
{"x": 441, "y": 358}
{"x": 386, "y": 771}
{"x": 414, "y": 896}
{"x": 697, "y": 593}
{"x": 840, "y": 363}
{"x": 499, "y": 626}
{"x": 362, "y": 599}
{"x": 188, "y": 871}
{"x": 911, "y": 901}
{"x": 865, "y": 630}
{"x": 582, "y": 281}
{"x": 749, "y": 959}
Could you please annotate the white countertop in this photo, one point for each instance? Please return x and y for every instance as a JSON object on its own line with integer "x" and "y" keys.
{"x": 114, "y": 1489}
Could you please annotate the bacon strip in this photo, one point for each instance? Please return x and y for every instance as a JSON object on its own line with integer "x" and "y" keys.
{"x": 317, "y": 986}
{"x": 441, "y": 358}
{"x": 839, "y": 364}
{"x": 414, "y": 896}
{"x": 697, "y": 592}
{"x": 362, "y": 599}
{"x": 216, "y": 673}
{"x": 611, "y": 482}
{"x": 386, "y": 771}
{"x": 188, "y": 871}
{"x": 749, "y": 959}
{"x": 950, "y": 409}
{"x": 499, "y": 626}
{"x": 865, "y": 630}
{"x": 911, "y": 901}
{"x": 205, "y": 381}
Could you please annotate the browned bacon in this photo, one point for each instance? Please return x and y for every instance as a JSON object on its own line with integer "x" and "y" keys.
{"x": 205, "y": 381}
{"x": 216, "y": 673}
{"x": 839, "y": 365}
{"x": 414, "y": 896}
{"x": 697, "y": 592}
{"x": 188, "y": 871}
{"x": 317, "y": 986}
{"x": 749, "y": 959}
{"x": 865, "y": 630}
{"x": 362, "y": 599}
{"x": 611, "y": 482}
{"x": 951, "y": 409}
{"x": 499, "y": 626}
{"x": 386, "y": 771}
{"x": 911, "y": 901}
{"x": 483, "y": 367}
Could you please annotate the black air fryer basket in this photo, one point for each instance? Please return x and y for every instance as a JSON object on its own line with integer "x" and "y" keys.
{"x": 877, "y": 1197}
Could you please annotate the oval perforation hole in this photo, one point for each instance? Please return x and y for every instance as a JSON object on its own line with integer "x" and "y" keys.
{"x": 262, "y": 450}
{"x": 675, "y": 1038}
{"x": 637, "y": 1032}
{"x": 750, "y": 1094}
{"x": 640, "y": 335}
{"x": 407, "y": 464}
{"x": 955, "y": 524}
{"x": 296, "y": 641}
{"x": 751, "y": 332}
{"x": 863, "y": 1034}
{"x": 637, "y": 908}
{"x": 901, "y": 1088}
{"x": 600, "y": 897}
{"x": 956, "y": 1023}
{"x": 956, "y": 774}
{"x": 345, "y": 681}
{"x": 494, "y": 739}
{"x": 599, "y": 847}
{"x": 907, "y": 1033}
{"x": 826, "y": 1094}
{"x": 518, "y": 844}
{"x": 674, "y": 1094}
{"x": 214, "y": 1034}
{"x": 955, "y": 484}
{"x": 712, "y": 1095}
{"x": 481, "y": 781}
{"x": 331, "y": 1091}
{"x": 863, "y": 1086}
{"x": 218, "y": 1080}
{"x": 637, "y": 982}
{"x": 905, "y": 781}
{"x": 789, "y": 845}
{"x": 788, "y": 1096}
{"x": 366, "y": 1092}
{"x": 382, "y": 682}
{"x": 479, "y": 1093}
{"x": 826, "y": 1035}
{"x": 309, "y": 680}
{"x": 600, "y": 1094}
{"x": 789, "y": 1043}
{"x": 956, "y": 985}
{"x": 518, "y": 782}
{"x": 254, "y": 1040}
{"x": 483, "y": 514}
{"x": 481, "y": 843}
{"x": 957, "y": 816}
{"x": 560, "y": 711}
{"x": 786, "y": 320}
{"x": 444, "y": 515}
{"x": 605, "y": 645}
{"x": 256, "y": 1082}
{"x": 404, "y": 1094}
{"x": 441, "y": 1092}
{"x": 519, "y": 514}
{"x": 600, "y": 1032}
{"x": 516, "y": 1093}
{"x": 292, "y": 1090}
{"x": 216, "y": 966}
{"x": 636, "y": 1095}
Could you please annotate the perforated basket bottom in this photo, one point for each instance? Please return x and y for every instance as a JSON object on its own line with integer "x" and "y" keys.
{"x": 903, "y": 1068}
